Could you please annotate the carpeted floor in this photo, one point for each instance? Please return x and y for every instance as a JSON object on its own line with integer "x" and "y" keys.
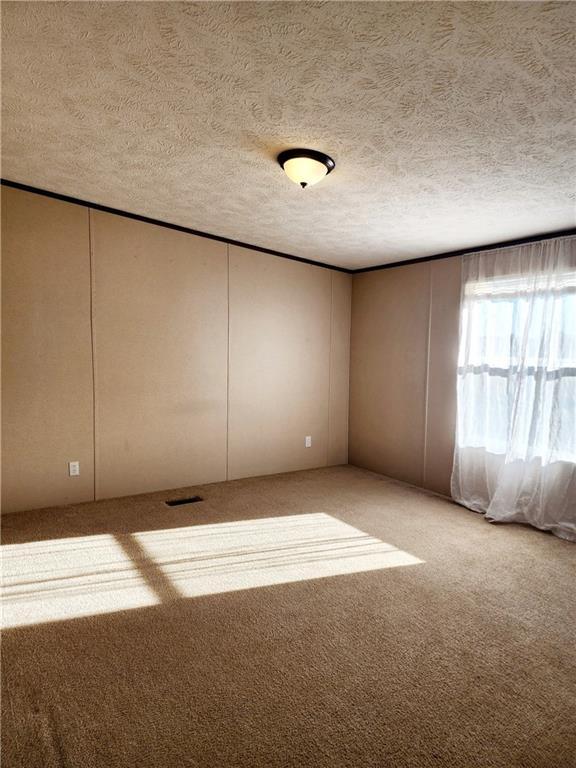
{"x": 322, "y": 619}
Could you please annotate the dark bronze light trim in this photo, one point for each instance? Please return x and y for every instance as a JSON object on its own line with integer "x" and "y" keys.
{"x": 313, "y": 154}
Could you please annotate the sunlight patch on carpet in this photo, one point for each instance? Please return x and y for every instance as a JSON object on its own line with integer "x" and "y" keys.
{"x": 208, "y": 559}
{"x": 85, "y": 576}
{"x": 69, "y": 578}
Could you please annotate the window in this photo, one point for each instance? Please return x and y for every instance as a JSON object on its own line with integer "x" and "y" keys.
{"x": 515, "y": 453}
{"x": 517, "y": 367}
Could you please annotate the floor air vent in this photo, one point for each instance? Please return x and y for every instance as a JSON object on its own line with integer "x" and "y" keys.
{"x": 178, "y": 502}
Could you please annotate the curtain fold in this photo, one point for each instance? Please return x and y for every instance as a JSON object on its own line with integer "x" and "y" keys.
{"x": 515, "y": 454}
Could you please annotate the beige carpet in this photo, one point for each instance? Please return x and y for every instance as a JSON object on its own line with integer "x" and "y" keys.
{"x": 321, "y": 619}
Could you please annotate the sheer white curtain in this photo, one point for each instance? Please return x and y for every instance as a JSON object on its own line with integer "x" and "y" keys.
{"x": 515, "y": 456}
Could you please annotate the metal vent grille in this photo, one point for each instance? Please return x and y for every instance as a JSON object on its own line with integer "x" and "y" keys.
{"x": 179, "y": 502}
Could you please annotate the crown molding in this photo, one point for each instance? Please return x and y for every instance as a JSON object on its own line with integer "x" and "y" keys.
{"x": 147, "y": 220}
{"x": 167, "y": 225}
{"x": 475, "y": 249}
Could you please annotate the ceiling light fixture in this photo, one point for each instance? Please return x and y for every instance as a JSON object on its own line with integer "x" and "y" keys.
{"x": 305, "y": 166}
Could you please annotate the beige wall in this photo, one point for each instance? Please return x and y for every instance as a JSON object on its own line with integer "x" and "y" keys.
{"x": 207, "y": 361}
{"x": 390, "y": 312}
{"x": 289, "y": 351}
{"x": 160, "y": 354}
{"x": 443, "y": 361}
{"x": 164, "y": 360}
{"x": 339, "y": 368}
{"x": 403, "y": 371}
{"x": 47, "y": 405}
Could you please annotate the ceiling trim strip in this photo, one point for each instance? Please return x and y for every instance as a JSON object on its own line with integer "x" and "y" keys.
{"x": 475, "y": 249}
{"x": 449, "y": 254}
{"x": 157, "y": 222}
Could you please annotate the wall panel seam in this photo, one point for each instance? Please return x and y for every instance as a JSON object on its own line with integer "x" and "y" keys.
{"x": 228, "y": 364}
{"x": 349, "y": 363}
{"x": 92, "y": 351}
{"x": 328, "y": 452}
{"x": 427, "y": 379}
{"x": 4, "y": 216}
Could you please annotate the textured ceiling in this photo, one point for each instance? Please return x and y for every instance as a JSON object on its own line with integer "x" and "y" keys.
{"x": 452, "y": 124}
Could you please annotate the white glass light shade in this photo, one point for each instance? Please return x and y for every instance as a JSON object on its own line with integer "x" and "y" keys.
{"x": 305, "y": 170}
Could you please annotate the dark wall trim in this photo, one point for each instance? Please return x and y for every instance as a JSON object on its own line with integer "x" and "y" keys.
{"x": 475, "y": 249}
{"x": 177, "y": 227}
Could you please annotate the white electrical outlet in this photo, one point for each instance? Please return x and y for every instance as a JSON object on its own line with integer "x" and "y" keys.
{"x": 73, "y": 468}
{"x": 308, "y": 441}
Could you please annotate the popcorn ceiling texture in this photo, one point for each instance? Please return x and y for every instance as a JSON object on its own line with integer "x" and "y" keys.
{"x": 451, "y": 123}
